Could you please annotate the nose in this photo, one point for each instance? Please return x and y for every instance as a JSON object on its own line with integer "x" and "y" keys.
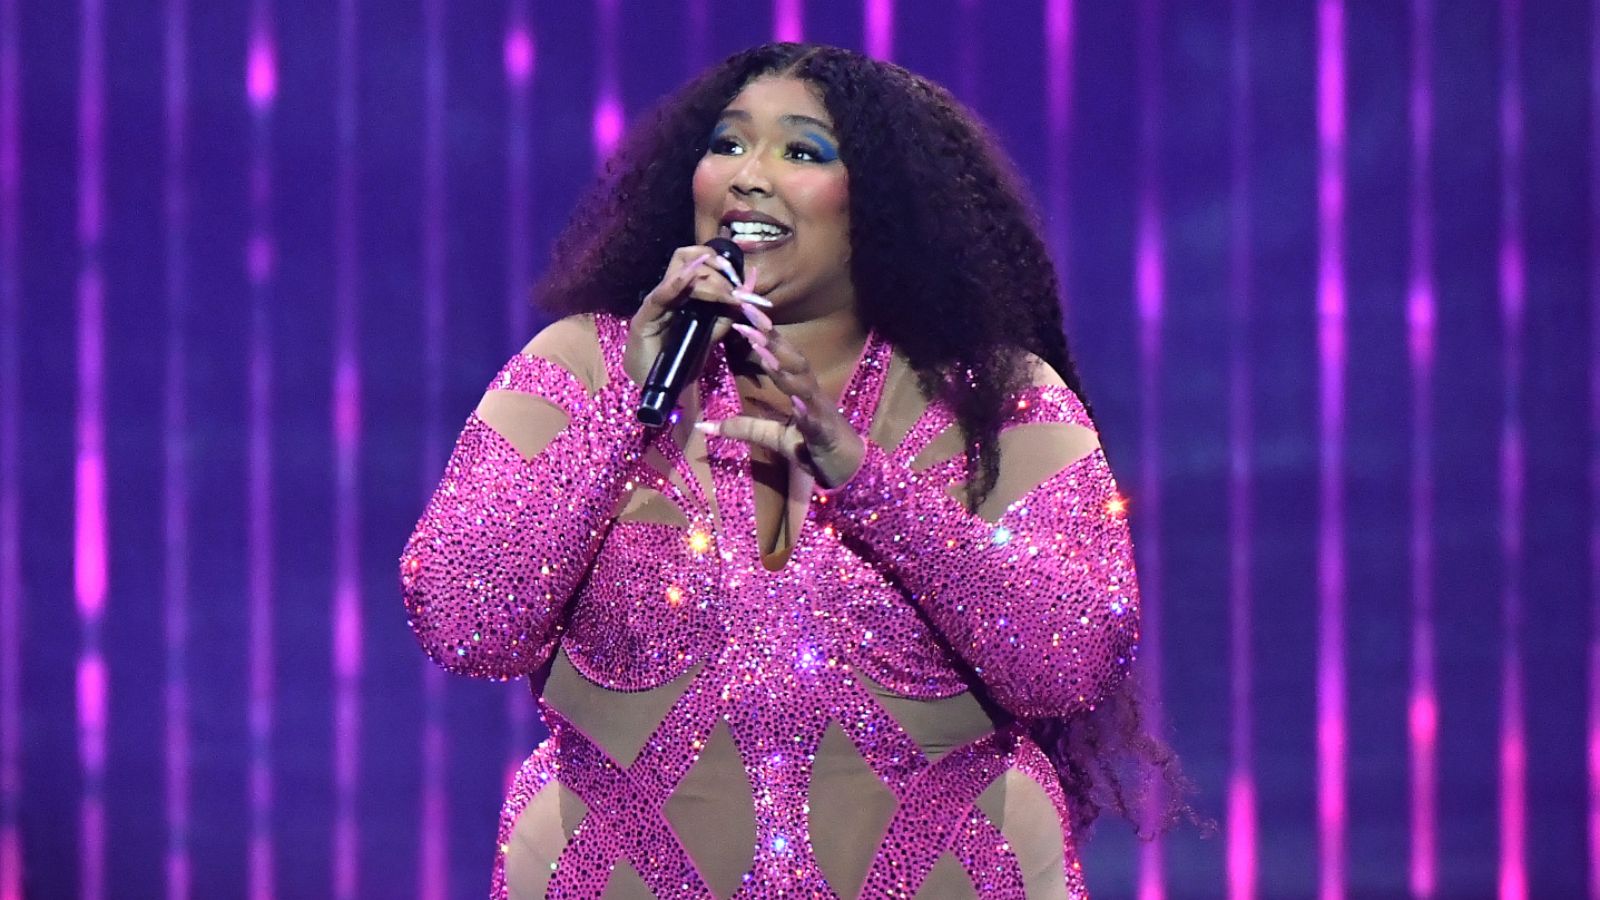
{"x": 751, "y": 177}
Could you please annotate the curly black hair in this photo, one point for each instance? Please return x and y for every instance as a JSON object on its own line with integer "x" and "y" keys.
{"x": 948, "y": 265}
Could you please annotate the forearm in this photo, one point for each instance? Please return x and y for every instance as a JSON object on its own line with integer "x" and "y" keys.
{"x": 1043, "y": 604}
{"x": 505, "y": 540}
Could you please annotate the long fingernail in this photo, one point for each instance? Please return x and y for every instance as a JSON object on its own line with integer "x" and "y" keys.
{"x": 727, "y": 269}
{"x": 750, "y": 277}
{"x": 765, "y": 355}
{"x": 757, "y": 299}
{"x": 756, "y": 338}
{"x": 800, "y": 407}
{"x": 756, "y": 316}
{"x": 706, "y": 427}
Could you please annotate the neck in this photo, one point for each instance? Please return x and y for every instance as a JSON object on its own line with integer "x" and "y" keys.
{"x": 831, "y": 343}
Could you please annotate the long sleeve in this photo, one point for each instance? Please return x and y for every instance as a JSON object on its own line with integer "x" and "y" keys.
{"x": 1043, "y": 603}
{"x": 505, "y": 541}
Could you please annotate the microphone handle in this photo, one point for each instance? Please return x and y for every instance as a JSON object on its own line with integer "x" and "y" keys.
{"x": 683, "y": 354}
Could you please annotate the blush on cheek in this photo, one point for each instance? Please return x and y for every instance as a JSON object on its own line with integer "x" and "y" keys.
{"x": 823, "y": 193}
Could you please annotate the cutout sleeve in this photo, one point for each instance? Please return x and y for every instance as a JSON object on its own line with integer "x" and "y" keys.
{"x": 505, "y": 541}
{"x": 1043, "y": 603}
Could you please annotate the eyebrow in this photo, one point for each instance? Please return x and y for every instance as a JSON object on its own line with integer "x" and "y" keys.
{"x": 790, "y": 119}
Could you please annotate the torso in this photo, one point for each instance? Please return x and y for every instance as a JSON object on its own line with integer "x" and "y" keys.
{"x": 723, "y": 750}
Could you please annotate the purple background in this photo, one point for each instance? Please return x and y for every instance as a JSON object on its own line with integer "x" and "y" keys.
{"x": 1330, "y": 280}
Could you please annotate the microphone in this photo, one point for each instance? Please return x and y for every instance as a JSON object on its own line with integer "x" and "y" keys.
{"x": 685, "y": 348}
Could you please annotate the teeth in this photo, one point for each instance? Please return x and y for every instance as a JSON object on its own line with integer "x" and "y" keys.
{"x": 757, "y": 230}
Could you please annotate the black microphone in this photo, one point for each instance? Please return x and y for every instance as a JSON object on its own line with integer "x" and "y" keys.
{"x": 685, "y": 348}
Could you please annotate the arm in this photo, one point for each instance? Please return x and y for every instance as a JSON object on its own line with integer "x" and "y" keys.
{"x": 522, "y": 509}
{"x": 1039, "y": 596}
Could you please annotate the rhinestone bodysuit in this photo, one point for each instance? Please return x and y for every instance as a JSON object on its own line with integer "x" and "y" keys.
{"x": 894, "y": 599}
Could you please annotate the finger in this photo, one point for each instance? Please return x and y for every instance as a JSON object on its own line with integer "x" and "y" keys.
{"x": 751, "y": 297}
{"x": 813, "y": 430}
{"x": 769, "y": 433}
{"x": 757, "y": 318}
{"x": 668, "y": 294}
{"x": 726, "y": 268}
{"x": 711, "y": 287}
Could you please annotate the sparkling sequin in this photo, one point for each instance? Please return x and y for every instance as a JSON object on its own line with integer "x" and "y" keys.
{"x": 889, "y": 577}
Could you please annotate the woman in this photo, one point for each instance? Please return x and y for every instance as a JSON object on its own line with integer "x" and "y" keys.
{"x": 839, "y": 630}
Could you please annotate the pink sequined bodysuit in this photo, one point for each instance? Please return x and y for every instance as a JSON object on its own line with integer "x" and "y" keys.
{"x": 847, "y": 725}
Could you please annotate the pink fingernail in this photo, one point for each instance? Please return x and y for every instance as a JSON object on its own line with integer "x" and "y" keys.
{"x": 765, "y": 355}
{"x": 750, "y": 278}
{"x": 756, "y": 338}
{"x": 800, "y": 407}
{"x": 698, "y": 260}
{"x": 755, "y": 299}
{"x": 756, "y": 316}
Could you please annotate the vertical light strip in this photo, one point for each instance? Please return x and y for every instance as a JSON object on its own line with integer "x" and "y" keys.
{"x": 175, "y": 472}
{"x": 1241, "y": 801}
{"x": 261, "y": 89}
{"x": 519, "y": 65}
{"x": 346, "y": 404}
{"x": 11, "y": 876}
{"x": 1423, "y": 706}
{"x": 1058, "y": 110}
{"x": 432, "y": 860}
{"x": 608, "y": 115}
{"x": 1330, "y": 665}
{"x": 1513, "y": 753}
{"x": 1594, "y": 462}
{"x": 880, "y": 29}
{"x": 1150, "y": 296}
{"x": 89, "y": 521}
{"x": 788, "y": 20}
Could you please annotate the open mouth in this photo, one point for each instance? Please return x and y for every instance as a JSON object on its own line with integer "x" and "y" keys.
{"x": 754, "y": 231}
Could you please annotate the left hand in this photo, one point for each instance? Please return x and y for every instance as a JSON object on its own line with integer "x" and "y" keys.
{"x": 817, "y": 437}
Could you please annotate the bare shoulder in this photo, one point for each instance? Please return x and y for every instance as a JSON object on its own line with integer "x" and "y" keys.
{"x": 574, "y": 344}
{"x": 1040, "y": 373}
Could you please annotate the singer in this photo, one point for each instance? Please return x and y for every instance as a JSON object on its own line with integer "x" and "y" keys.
{"x": 859, "y": 619}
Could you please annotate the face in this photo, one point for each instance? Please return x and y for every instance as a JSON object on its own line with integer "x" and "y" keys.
{"x": 772, "y": 181}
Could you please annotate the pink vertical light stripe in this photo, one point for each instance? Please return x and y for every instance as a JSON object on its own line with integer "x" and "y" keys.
{"x": 1330, "y": 665}
{"x": 519, "y": 234}
{"x": 90, "y": 534}
{"x": 175, "y": 484}
{"x": 432, "y": 858}
{"x": 788, "y": 20}
{"x": 346, "y": 403}
{"x": 1594, "y": 462}
{"x": 1513, "y": 876}
{"x": 880, "y": 28}
{"x": 261, "y": 78}
{"x": 11, "y": 874}
{"x": 1241, "y": 808}
{"x": 1330, "y": 441}
{"x": 1058, "y": 125}
{"x": 1149, "y": 291}
{"x": 1423, "y": 716}
{"x": 608, "y": 115}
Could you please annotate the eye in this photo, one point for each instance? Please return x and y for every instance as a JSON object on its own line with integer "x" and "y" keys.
{"x": 805, "y": 152}
{"x": 723, "y": 145}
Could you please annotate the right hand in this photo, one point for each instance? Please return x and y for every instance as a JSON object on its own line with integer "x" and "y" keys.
{"x": 693, "y": 272}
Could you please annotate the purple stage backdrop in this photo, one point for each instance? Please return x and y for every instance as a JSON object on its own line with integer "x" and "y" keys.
{"x": 1331, "y": 278}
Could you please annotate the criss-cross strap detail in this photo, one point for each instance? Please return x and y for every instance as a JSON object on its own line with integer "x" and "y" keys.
{"x": 1051, "y": 403}
{"x": 543, "y": 378}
